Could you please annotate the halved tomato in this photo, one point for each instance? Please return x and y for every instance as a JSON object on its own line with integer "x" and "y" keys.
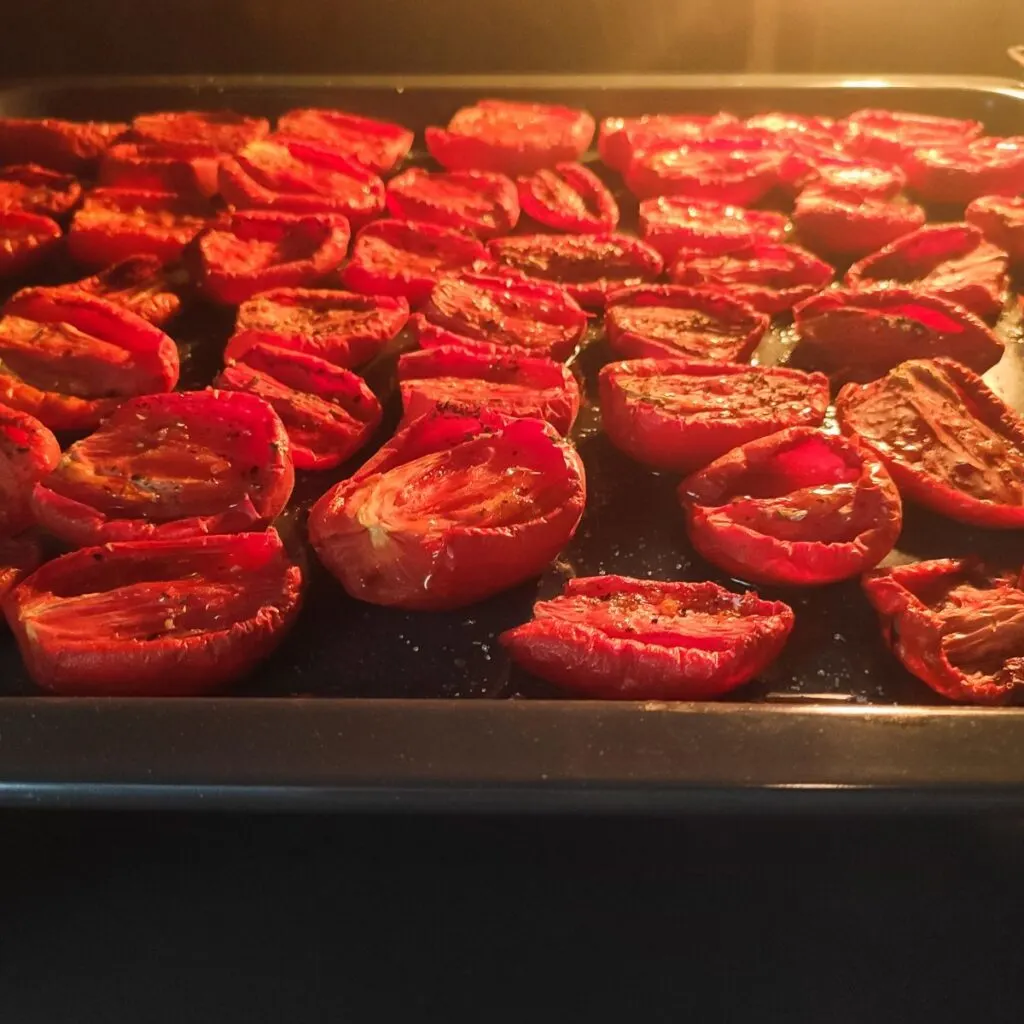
{"x": 150, "y": 168}
{"x": 892, "y": 135}
{"x": 216, "y": 131}
{"x": 671, "y": 223}
{"x": 481, "y": 202}
{"x": 869, "y": 181}
{"x": 621, "y": 138}
{"x": 846, "y": 224}
{"x": 28, "y": 451}
{"x": 69, "y": 146}
{"x": 569, "y": 197}
{"x": 26, "y": 239}
{"x": 34, "y": 189}
{"x": 1001, "y": 220}
{"x": 961, "y": 173}
{"x": 790, "y": 125}
{"x": 19, "y": 556}
{"x": 378, "y": 145}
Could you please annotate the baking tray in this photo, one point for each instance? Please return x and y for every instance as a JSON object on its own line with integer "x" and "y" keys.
{"x": 368, "y": 708}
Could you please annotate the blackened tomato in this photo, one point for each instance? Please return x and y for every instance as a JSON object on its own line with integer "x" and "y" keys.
{"x": 379, "y": 145}
{"x": 481, "y": 202}
{"x": 569, "y": 197}
{"x": 26, "y": 239}
{"x": 1001, "y": 220}
{"x": 35, "y": 189}
{"x": 671, "y": 223}
{"x": 845, "y": 224}
{"x": 28, "y": 451}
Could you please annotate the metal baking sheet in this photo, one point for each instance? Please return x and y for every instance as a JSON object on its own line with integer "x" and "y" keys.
{"x": 365, "y": 707}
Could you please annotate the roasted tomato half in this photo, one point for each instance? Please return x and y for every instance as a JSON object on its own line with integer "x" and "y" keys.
{"x": 344, "y": 328}
{"x": 407, "y": 259}
{"x": 952, "y": 261}
{"x": 893, "y": 135}
{"x": 149, "y": 168}
{"x": 861, "y": 335}
{"x": 586, "y": 266}
{"x": 69, "y": 360}
{"x": 956, "y": 624}
{"x": 868, "y": 181}
{"x": 28, "y": 451}
{"x": 569, "y": 197}
{"x": 671, "y": 223}
{"x": 69, "y": 146}
{"x": 256, "y": 250}
{"x": 958, "y": 174}
{"x": 481, "y": 202}
{"x": 1001, "y": 220}
{"x": 511, "y": 138}
{"x": 328, "y": 412}
{"x": 504, "y": 380}
{"x": 844, "y": 224}
{"x": 678, "y": 414}
{"x": 164, "y": 467}
{"x": 155, "y": 618}
{"x": 616, "y": 638}
{"x": 26, "y": 239}
{"x": 455, "y": 507}
{"x": 621, "y": 138}
{"x": 797, "y": 508}
{"x": 949, "y": 442}
{"x": 34, "y": 189}
{"x": 379, "y": 145}
{"x": 217, "y": 131}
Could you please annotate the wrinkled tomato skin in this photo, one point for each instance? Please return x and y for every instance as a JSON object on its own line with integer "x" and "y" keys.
{"x": 569, "y": 197}
{"x": 259, "y": 593}
{"x": 378, "y": 145}
{"x": 620, "y": 138}
{"x": 26, "y": 240}
{"x": 960, "y": 174}
{"x": 28, "y": 451}
{"x": 587, "y": 642}
{"x": 149, "y": 168}
{"x": 34, "y": 189}
{"x": 72, "y": 147}
{"x": 216, "y": 131}
{"x": 846, "y": 225}
{"x": 1001, "y": 220}
{"x": 891, "y": 136}
{"x": 433, "y": 561}
{"x": 479, "y": 202}
{"x": 717, "y": 496}
{"x": 19, "y": 556}
{"x": 640, "y": 420}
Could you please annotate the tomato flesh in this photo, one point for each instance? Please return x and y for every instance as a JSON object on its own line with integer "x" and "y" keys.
{"x": 34, "y": 189}
{"x": 378, "y": 145}
{"x": 1001, "y": 220}
{"x": 569, "y": 197}
{"x": 671, "y": 223}
{"x": 69, "y": 146}
{"x": 479, "y": 202}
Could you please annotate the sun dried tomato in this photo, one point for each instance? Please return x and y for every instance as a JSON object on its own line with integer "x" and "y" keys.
{"x": 509, "y": 137}
{"x": 407, "y": 258}
{"x": 215, "y": 131}
{"x": 26, "y": 239}
{"x": 958, "y": 174}
{"x": 616, "y": 638}
{"x": 569, "y": 197}
{"x": 1001, "y": 220}
{"x": 956, "y": 624}
{"x": 845, "y": 224}
{"x": 621, "y": 138}
{"x": 341, "y": 327}
{"x": 69, "y": 146}
{"x": 328, "y": 412}
{"x": 505, "y": 380}
{"x": 19, "y": 556}
{"x": 155, "y": 618}
{"x": 796, "y": 508}
{"x": 509, "y": 310}
{"x": 949, "y": 442}
{"x": 588, "y": 267}
{"x": 149, "y": 168}
{"x": 771, "y": 278}
{"x": 34, "y": 189}
{"x": 861, "y": 335}
{"x": 28, "y": 451}
{"x": 679, "y": 414}
{"x": 669, "y": 320}
{"x": 892, "y": 135}
{"x": 868, "y": 181}
{"x": 455, "y": 507}
{"x": 952, "y": 261}
{"x": 255, "y": 250}
{"x": 789, "y": 125}
{"x": 480, "y": 202}
{"x": 166, "y": 467}
{"x": 69, "y": 360}
{"x": 378, "y": 145}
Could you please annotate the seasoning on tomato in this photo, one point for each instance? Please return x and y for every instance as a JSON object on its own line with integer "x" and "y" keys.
{"x": 457, "y": 506}
{"x": 857, "y": 178}
{"x": 950, "y": 443}
{"x": 34, "y": 189}
{"x": 845, "y": 224}
{"x": 671, "y": 223}
{"x": 155, "y": 618}
{"x": 952, "y": 261}
{"x": 956, "y": 624}
{"x": 569, "y": 197}
{"x": 19, "y": 556}
{"x": 253, "y": 251}
{"x": 481, "y": 202}
{"x": 678, "y": 415}
{"x": 798, "y": 508}
{"x": 26, "y": 240}
{"x": 328, "y": 412}
{"x": 616, "y": 638}
{"x": 1001, "y": 220}
{"x": 789, "y": 125}
{"x": 69, "y": 360}
{"x": 28, "y": 451}
{"x": 378, "y": 145}
{"x": 892, "y": 135}
{"x": 216, "y": 131}
{"x": 961, "y": 173}
{"x": 621, "y": 138}
{"x": 72, "y": 147}
{"x": 165, "y": 467}
{"x": 150, "y": 168}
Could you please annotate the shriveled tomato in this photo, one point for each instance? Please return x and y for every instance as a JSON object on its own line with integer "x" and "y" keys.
{"x": 481, "y": 202}
{"x": 569, "y": 197}
{"x": 771, "y": 278}
{"x": 861, "y": 335}
{"x": 344, "y": 328}
{"x": 959, "y": 173}
{"x": 678, "y": 414}
{"x": 69, "y": 146}
{"x": 455, "y": 507}
{"x": 220, "y": 131}
{"x": 71, "y": 359}
{"x": 155, "y": 618}
{"x": 164, "y": 467}
{"x": 950, "y": 443}
{"x": 892, "y": 135}
{"x": 1001, "y": 220}
{"x": 407, "y": 259}
{"x": 844, "y": 224}
{"x": 952, "y": 261}
{"x": 509, "y": 137}
{"x": 616, "y": 638}
{"x": 621, "y": 138}
{"x": 26, "y": 239}
{"x": 508, "y": 310}
{"x": 798, "y": 508}
{"x": 151, "y": 168}
{"x": 790, "y": 125}
{"x": 586, "y": 266}
{"x": 19, "y": 556}
{"x": 328, "y": 412}
{"x": 866, "y": 180}
{"x": 28, "y": 451}
{"x": 956, "y": 624}
{"x": 253, "y": 251}
{"x": 378, "y": 145}
{"x": 670, "y": 320}
{"x": 34, "y": 189}
{"x": 671, "y": 223}
{"x": 505, "y": 380}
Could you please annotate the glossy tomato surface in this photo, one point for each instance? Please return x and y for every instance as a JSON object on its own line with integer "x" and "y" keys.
{"x": 19, "y": 556}
{"x": 959, "y": 174}
{"x": 28, "y": 451}
{"x": 215, "y": 131}
{"x": 378, "y": 145}
{"x": 34, "y": 189}
{"x": 482, "y": 203}
{"x": 151, "y": 168}
{"x": 1001, "y": 220}
{"x": 620, "y": 139}
{"x": 894, "y": 135}
{"x": 671, "y": 223}
{"x": 26, "y": 240}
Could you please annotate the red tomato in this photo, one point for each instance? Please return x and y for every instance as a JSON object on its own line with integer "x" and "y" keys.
{"x": 378, "y": 145}
{"x": 671, "y": 223}
{"x": 155, "y": 618}
{"x": 621, "y": 138}
{"x": 69, "y": 360}
{"x": 668, "y": 320}
{"x": 480, "y": 202}
{"x": 149, "y": 168}
{"x": 797, "y": 508}
{"x": 18, "y": 557}
{"x": 844, "y": 224}
{"x": 256, "y": 250}
{"x": 34, "y": 189}
{"x": 569, "y": 197}
{"x": 328, "y": 412}
{"x": 456, "y": 507}
{"x": 69, "y": 146}
{"x": 678, "y": 414}
{"x": 26, "y": 239}
{"x": 892, "y": 135}
{"x": 509, "y": 137}
{"x": 615, "y": 638}
{"x": 166, "y": 467}
{"x": 28, "y": 451}
{"x": 407, "y": 259}
{"x": 586, "y": 266}
{"x": 952, "y": 261}
{"x": 1001, "y": 221}
{"x": 344, "y": 328}
{"x": 961, "y": 173}
{"x": 788, "y": 125}
{"x": 860, "y": 336}
{"x": 949, "y": 442}
{"x": 868, "y": 181}
{"x": 214, "y": 131}
{"x": 504, "y": 380}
